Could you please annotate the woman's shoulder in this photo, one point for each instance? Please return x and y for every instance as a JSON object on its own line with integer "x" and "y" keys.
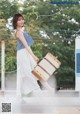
{"x": 18, "y": 33}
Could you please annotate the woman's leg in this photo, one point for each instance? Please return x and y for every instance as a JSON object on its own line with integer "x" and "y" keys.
{"x": 46, "y": 85}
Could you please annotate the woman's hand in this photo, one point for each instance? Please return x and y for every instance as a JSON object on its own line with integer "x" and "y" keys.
{"x": 36, "y": 58}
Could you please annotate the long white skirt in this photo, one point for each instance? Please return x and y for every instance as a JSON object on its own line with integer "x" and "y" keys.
{"x": 26, "y": 81}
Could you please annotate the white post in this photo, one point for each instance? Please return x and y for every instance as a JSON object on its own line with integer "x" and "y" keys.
{"x": 2, "y": 65}
{"x": 77, "y": 64}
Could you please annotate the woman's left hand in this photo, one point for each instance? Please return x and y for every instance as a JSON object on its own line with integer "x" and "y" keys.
{"x": 36, "y": 58}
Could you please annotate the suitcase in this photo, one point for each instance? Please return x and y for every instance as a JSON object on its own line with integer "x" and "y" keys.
{"x": 46, "y": 67}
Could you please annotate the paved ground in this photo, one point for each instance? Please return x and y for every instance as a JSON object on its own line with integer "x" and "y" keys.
{"x": 62, "y": 102}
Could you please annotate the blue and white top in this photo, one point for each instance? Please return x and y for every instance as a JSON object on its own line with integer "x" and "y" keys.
{"x": 28, "y": 39}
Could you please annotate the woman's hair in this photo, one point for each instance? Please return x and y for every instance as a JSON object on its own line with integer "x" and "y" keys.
{"x": 15, "y": 19}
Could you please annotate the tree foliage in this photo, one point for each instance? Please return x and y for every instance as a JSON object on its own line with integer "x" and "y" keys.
{"x": 60, "y": 22}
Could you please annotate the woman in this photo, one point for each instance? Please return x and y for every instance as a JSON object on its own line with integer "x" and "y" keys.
{"x": 26, "y": 60}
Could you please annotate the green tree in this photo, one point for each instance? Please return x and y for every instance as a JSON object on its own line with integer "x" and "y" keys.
{"x": 61, "y": 23}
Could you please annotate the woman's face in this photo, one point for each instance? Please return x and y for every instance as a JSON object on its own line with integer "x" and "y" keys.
{"x": 20, "y": 22}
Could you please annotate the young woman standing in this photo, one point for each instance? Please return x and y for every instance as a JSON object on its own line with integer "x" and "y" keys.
{"x": 26, "y": 60}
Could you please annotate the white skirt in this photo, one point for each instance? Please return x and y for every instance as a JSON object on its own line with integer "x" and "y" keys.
{"x": 26, "y": 81}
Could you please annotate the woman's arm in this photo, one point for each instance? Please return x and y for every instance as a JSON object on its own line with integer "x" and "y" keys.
{"x": 21, "y": 37}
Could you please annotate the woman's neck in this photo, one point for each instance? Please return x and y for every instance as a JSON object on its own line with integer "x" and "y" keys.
{"x": 20, "y": 28}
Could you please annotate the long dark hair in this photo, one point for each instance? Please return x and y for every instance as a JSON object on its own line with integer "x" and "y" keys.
{"x": 15, "y": 19}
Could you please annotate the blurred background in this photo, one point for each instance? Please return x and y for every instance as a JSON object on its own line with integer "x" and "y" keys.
{"x": 53, "y": 27}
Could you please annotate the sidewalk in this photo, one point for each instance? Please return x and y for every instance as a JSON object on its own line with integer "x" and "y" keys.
{"x": 63, "y": 102}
